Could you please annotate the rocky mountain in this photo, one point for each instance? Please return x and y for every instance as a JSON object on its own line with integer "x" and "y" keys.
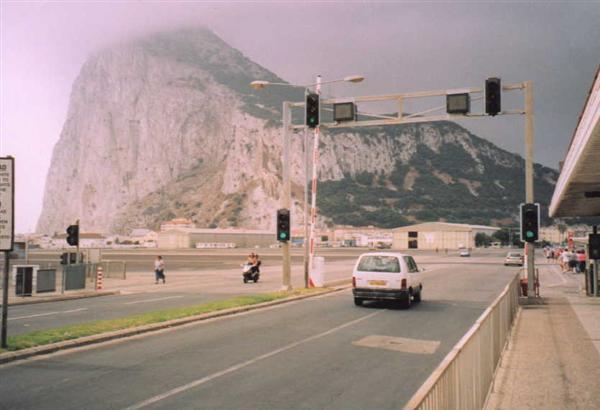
{"x": 166, "y": 126}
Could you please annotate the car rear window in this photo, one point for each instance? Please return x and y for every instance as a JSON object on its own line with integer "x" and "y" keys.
{"x": 514, "y": 255}
{"x": 379, "y": 264}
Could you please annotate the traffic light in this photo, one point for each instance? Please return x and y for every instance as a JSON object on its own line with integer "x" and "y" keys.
{"x": 283, "y": 225}
{"x": 594, "y": 246}
{"x": 312, "y": 110}
{"x": 493, "y": 92}
{"x": 73, "y": 235}
{"x": 64, "y": 258}
{"x": 530, "y": 222}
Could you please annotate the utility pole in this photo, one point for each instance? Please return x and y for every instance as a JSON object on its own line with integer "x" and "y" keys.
{"x": 530, "y": 247}
{"x": 287, "y": 193}
{"x": 315, "y": 170}
{"x": 306, "y": 210}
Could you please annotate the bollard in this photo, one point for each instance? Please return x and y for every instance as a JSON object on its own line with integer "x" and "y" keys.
{"x": 99, "y": 274}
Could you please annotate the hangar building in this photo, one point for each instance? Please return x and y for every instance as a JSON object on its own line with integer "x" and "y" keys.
{"x": 438, "y": 235}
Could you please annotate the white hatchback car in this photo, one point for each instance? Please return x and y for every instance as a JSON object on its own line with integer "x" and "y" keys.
{"x": 386, "y": 276}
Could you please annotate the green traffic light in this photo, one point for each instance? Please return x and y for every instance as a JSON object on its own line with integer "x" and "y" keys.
{"x": 282, "y": 235}
{"x": 529, "y": 234}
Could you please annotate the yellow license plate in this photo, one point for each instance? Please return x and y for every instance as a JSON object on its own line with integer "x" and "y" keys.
{"x": 378, "y": 282}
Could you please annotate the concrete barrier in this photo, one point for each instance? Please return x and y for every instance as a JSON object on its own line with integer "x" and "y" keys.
{"x": 463, "y": 379}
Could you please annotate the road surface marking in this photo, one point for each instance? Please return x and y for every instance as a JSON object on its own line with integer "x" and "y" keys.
{"x": 239, "y": 366}
{"x": 399, "y": 344}
{"x": 153, "y": 300}
{"x": 47, "y": 314}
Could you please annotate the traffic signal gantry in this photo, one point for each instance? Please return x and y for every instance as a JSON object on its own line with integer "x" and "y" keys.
{"x": 457, "y": 107}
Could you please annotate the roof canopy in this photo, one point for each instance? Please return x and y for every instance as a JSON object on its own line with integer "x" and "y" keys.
{"x": 444, "y": 226}
{"x": 577, "y": 191}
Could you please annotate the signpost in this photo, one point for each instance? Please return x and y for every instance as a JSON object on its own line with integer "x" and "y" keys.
{"x": 7, "y": 229}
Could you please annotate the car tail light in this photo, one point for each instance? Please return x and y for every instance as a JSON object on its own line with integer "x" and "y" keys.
{"x": 403, "y": 284}
{"x": 353, "y": 282}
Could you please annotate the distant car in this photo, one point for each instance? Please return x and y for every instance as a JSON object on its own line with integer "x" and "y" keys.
{"x": 386, "y": 276}
{"x": 464, "y": 252}
{"x": 513, "y": 258}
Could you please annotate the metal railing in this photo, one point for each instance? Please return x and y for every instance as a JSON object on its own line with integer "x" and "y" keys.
{"x": 463, "y": 379}
{"x": 111, "y": 269}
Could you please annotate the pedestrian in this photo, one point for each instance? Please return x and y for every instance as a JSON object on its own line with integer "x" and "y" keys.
{"x": 581, "y": 260}
{"x": 159, "y": 269}
{"x": 564, "y": 260}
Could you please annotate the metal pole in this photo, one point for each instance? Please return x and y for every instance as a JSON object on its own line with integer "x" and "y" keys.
{"x": 78, "y": 236}
{"x": 287, "y": 193}
{"x": 315, "y": 163}
{"x": 5, "y": 301}
{"x": 306, "y": 210}
{"x": 529, "y": 181}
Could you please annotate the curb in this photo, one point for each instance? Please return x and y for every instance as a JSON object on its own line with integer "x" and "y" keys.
{"x": 118, "y": 334}
{"x": 63, "y": 298}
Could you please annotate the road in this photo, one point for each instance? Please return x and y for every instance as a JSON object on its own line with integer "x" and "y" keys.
{"x": 310, "y": 354}
{"x": 185, "y": 288}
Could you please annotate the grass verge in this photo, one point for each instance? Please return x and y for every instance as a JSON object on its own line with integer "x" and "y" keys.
{"x": 44, "y": 337}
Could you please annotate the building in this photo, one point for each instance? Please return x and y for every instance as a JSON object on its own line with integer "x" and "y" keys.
{"x": 438, "y": 235}
{"x": 86, "y": 240}
{"x": 177, "y": 224}
{"x": 192, "y": 238}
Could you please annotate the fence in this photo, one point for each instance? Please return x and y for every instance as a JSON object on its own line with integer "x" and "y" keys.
{"x": 463, "y": 379}
{"x": 111, "y": 269}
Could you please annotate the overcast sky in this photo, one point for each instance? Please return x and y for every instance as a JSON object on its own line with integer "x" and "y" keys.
{"x": 397, "y": 46}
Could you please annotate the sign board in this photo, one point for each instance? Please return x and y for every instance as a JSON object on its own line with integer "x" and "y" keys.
{"x": 7, "y": 203}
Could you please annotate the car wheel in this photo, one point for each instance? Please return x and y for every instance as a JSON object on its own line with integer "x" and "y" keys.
{"x": 358, "y": 301}
{"x": 417, "y": 297}
{"x": 255, "y": 279}
{"x": 245, "y": 280}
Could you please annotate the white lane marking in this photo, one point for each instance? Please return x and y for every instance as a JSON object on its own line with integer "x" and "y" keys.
{"x": 46, "y": 314}
{"x": 239, "y": 366}
{"x": 153, "y": 300}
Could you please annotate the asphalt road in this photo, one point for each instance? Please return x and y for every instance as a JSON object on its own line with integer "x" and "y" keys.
{"x": 305, "y": 355}
{"x": 187, "y": 288}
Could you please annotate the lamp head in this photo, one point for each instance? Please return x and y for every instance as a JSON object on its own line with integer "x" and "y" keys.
{"x": 259, "y": 84}
{"x": 354, "y": 78}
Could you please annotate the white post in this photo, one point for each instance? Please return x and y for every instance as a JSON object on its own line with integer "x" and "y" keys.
{"x": 313, "y": 208}
{"x": 529, "y": 182}
{"x": 287, "y": 193}
{"x": 306, "y": 210}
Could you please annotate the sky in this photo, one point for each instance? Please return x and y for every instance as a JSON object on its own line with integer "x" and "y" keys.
{"x": 396, "y": 46}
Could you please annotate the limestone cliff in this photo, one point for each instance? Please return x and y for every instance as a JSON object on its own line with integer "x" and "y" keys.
{"x": 166, "y": 126}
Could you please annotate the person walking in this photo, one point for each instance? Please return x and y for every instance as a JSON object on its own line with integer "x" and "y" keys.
{"x": 159, "y": 269}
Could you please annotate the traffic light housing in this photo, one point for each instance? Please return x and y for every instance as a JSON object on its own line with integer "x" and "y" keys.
{"x": 312, "y": 110}
{"x": 73, "y": 235}
{"x": 64, "y": 258}
{"x": 283, "y": 225}
{"x": 594, "y": 246}
{"x": 530, "y": 222}
{"x": 493, "y": 92}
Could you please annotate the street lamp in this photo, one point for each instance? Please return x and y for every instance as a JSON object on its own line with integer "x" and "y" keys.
{"x": 260, "y": 84}
{"x": 286, "y": 198}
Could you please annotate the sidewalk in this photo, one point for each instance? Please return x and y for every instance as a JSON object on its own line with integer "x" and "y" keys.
{"x": 553, "y": 357}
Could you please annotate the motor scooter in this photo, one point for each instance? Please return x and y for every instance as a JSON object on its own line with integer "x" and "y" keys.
{"x": 249, "y": 273}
